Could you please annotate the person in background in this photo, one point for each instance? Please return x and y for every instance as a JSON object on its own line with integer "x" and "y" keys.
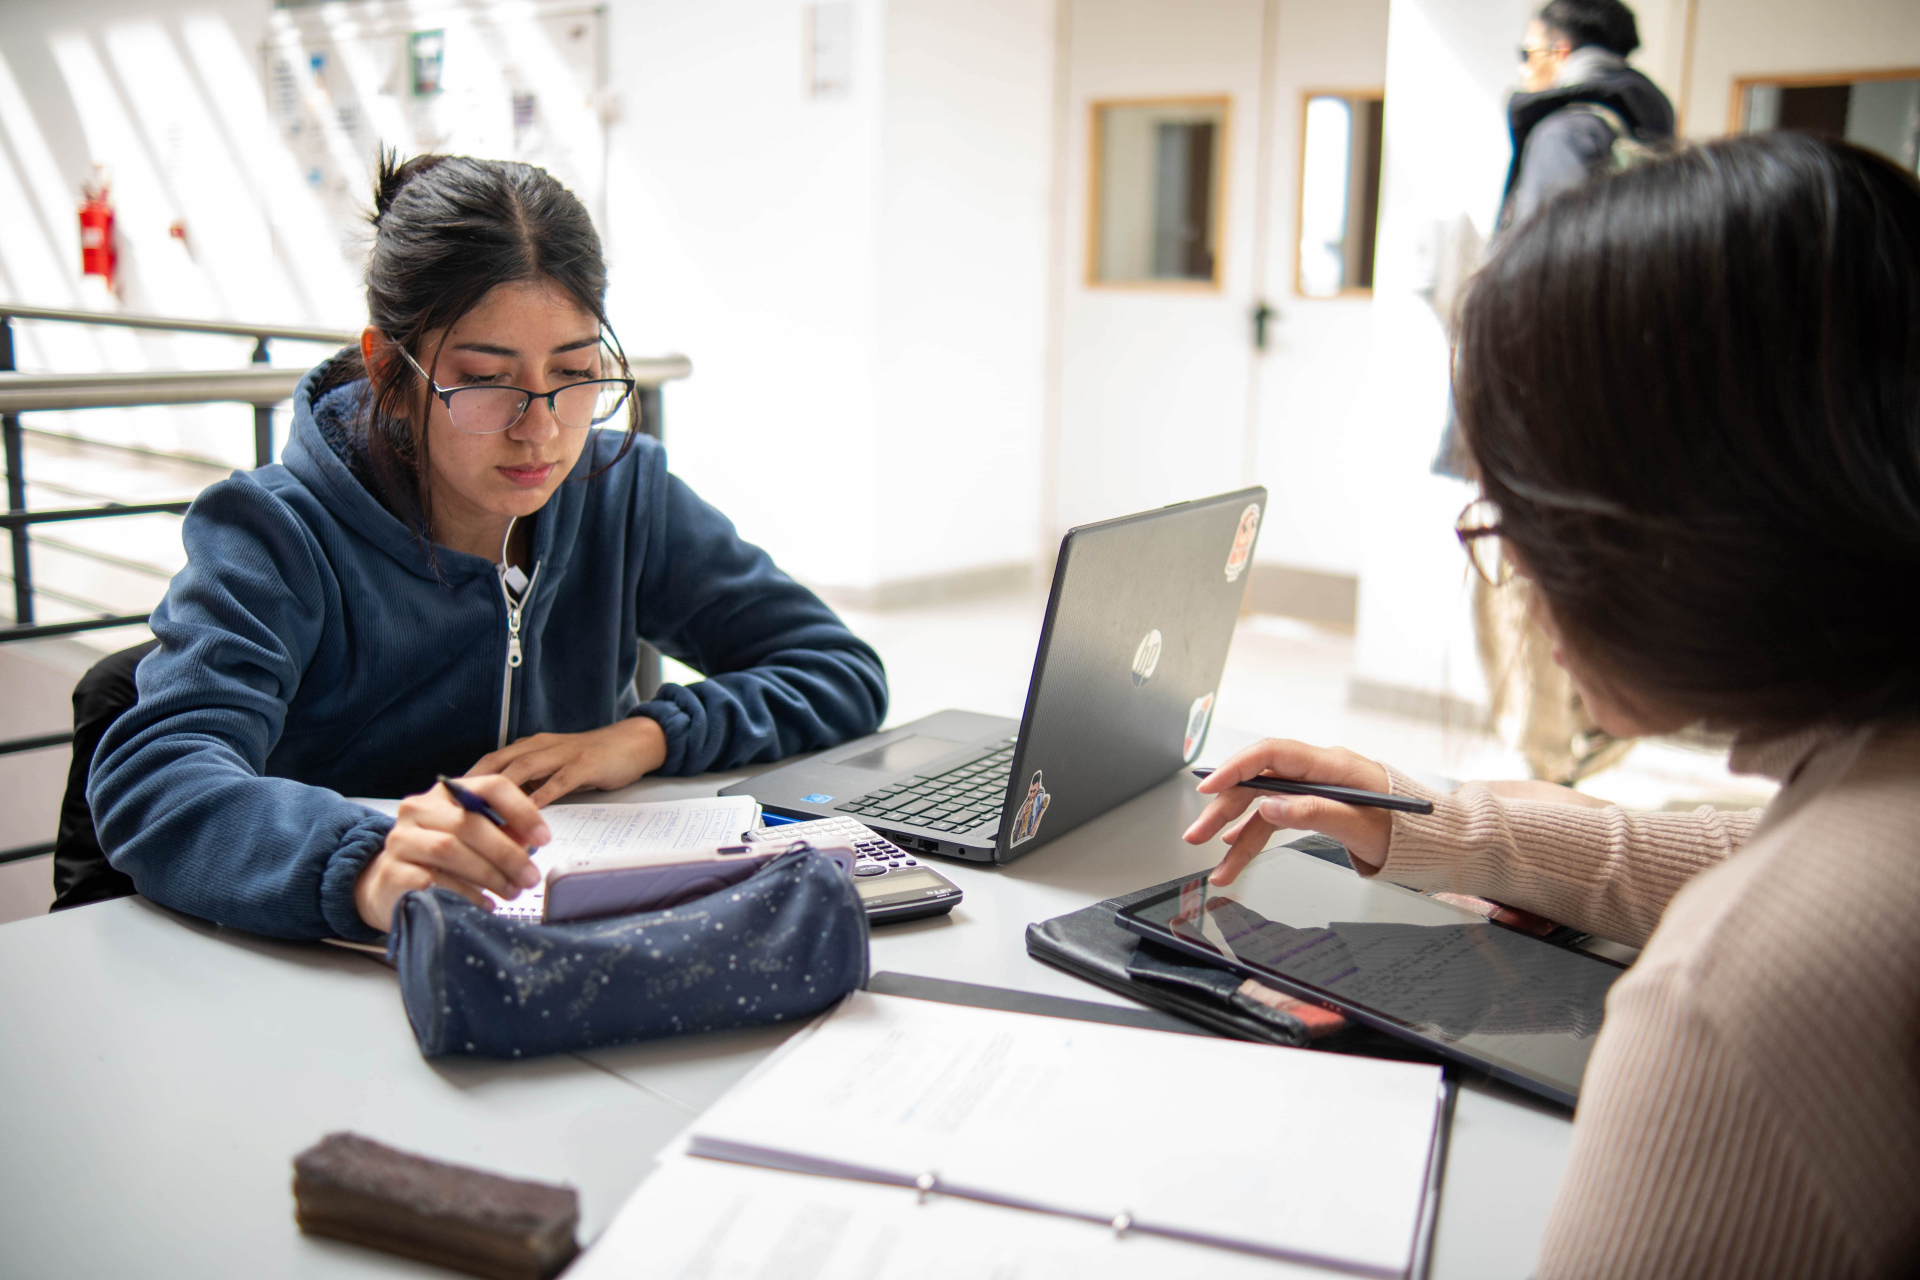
{"x": 1581, "y": 109}
{"x": 1692, "y": 393}
{"x": 451, "y": 572}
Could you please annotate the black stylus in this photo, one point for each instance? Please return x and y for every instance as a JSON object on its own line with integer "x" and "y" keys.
{"x": 1346, "y": 795}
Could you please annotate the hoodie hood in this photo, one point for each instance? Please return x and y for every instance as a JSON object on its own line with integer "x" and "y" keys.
{"x": 1593, "y": 75}
{"x": 326, "y": 452}
{"x": 329, "y": 413}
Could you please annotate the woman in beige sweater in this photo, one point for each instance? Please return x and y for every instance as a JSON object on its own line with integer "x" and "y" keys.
{"x": 1693, "y": 394}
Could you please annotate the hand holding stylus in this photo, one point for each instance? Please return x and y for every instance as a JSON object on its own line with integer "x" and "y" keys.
{"x": 1364, "y": 831}
{"x": 469, "y": 836}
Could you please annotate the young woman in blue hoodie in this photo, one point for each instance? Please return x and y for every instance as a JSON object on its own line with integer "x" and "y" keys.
{"x": 451, "y": 571}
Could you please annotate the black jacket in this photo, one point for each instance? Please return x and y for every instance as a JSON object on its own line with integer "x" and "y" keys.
{"x": 1554, "y": 148}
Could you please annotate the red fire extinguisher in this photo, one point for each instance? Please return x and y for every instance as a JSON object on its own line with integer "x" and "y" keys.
{"x": 98, "y": 257}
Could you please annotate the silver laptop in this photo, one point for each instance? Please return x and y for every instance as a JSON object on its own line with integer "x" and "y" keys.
{"x": 1136, "y": 636}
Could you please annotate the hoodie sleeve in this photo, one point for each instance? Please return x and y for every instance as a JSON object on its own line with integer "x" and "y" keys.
{"x": 177, "y": 787}
{"x": 784, "y": 674}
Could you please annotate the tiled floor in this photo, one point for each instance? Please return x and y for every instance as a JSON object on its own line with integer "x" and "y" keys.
{"x": 1283, "y": 678}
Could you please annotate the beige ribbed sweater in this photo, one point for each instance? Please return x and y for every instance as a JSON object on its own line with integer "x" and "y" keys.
{"x": 1752, "y": 1106}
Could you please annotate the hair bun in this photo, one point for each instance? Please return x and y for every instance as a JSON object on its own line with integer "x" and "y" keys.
{"x": 394, "y": 176}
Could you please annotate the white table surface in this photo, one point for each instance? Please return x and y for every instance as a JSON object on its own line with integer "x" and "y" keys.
{"x": 158, "y": 1074}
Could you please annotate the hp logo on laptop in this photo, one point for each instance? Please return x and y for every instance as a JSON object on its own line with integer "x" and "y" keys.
{"x": 1146, "y": 657}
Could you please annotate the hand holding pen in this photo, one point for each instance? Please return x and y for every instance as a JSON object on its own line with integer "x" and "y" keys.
{"x": 471, "y": 836}
{"x": 1356, "y": 820}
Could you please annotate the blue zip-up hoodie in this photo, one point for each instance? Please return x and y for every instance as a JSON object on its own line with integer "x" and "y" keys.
{"x": 311, "y": 650}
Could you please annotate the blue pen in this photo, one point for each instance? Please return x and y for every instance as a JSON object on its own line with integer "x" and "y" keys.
{"x": 471, "y": 802}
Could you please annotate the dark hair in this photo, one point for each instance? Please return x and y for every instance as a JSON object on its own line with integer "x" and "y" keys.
{"x": 1693, "y": 389}
{"x": 1607, "y": 23}
{"x": 447, "y": 230}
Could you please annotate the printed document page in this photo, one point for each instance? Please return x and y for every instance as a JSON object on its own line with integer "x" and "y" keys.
{"x": 583, "y": 830}
{"x": 701, "y": 1220}
{"x": 1319, "y": 1158}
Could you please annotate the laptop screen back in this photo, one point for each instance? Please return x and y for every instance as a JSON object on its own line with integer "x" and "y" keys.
{"x": 1136, "y": 637}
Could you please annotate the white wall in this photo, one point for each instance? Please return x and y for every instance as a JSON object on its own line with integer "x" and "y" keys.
{"x": 962, "y": 270}
{"x": 741, "y": 231}
{"x": 860, "y": 281}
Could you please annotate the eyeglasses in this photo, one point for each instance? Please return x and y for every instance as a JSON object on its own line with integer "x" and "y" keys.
{"x": 1478, "y": 529}
{"x": 486, "y": 411}
{"x": 1526, "y": 51}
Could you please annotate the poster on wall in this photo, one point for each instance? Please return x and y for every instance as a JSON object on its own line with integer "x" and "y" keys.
{"x": 522, "y": 82}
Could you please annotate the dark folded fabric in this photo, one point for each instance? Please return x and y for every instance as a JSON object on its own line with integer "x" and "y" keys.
{"x": 778, "y": 947}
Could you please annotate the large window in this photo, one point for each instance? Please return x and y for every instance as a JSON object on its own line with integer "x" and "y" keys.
{"x": 1339, "y": 192}
{"x": 1157, "y": 170}
{"x": 1879, "y": 110}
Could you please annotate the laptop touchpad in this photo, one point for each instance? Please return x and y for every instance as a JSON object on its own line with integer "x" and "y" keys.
{"x": 901, "y": 754}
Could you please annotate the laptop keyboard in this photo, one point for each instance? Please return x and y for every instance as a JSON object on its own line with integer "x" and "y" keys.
{"x": 967, "y": 796}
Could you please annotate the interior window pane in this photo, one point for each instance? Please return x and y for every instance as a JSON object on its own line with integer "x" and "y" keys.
{"x": 1157, "y": 184}
{"x": 1879, "y": 112}
{"x": 1323, "y": 197}
{"x": 1339, "y": 193}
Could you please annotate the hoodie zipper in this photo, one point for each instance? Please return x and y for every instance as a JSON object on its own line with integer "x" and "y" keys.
{"x": 514, "y": 653}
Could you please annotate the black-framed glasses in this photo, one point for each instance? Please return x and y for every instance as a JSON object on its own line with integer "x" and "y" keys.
{"x": 489, "y": 410}
{"x": 1478, "y": 529}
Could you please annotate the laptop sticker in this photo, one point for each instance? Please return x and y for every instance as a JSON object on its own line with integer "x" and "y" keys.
{"x": 1026, "y": 823}
{"x": 1243, "y": 541}
{"x": 1147, "y": 657}
{"x": 1197, "y": 718}
{"x": 816, "y": 798}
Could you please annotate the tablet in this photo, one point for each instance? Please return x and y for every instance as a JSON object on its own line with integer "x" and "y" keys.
{"x": 1437, "y": 975}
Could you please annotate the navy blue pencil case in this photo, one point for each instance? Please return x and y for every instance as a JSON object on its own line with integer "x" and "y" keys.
{"x": 782, "y": 945}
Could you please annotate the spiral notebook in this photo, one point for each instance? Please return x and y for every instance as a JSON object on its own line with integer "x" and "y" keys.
{"x": 1324, "y": 1161}
{"x": 702, "y": 1220}
{"x": 586, "y": 830}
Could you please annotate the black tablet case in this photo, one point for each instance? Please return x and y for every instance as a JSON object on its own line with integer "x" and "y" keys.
{"x": 1088, "y": 944}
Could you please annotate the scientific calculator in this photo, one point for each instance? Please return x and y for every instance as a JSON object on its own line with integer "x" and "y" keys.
{"x": 893, "y": 884}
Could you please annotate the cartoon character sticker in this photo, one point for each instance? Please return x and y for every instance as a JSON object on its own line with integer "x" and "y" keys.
{"x": 1026, "y": 823}
{"x": 1243, "y": 541}
{"x": 1147, "y": 657}
{"x": 1197, "y": 719}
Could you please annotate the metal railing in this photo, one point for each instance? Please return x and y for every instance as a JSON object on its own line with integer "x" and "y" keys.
{"x": 260, "y": 387}
{"x": 20, "y": 393}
